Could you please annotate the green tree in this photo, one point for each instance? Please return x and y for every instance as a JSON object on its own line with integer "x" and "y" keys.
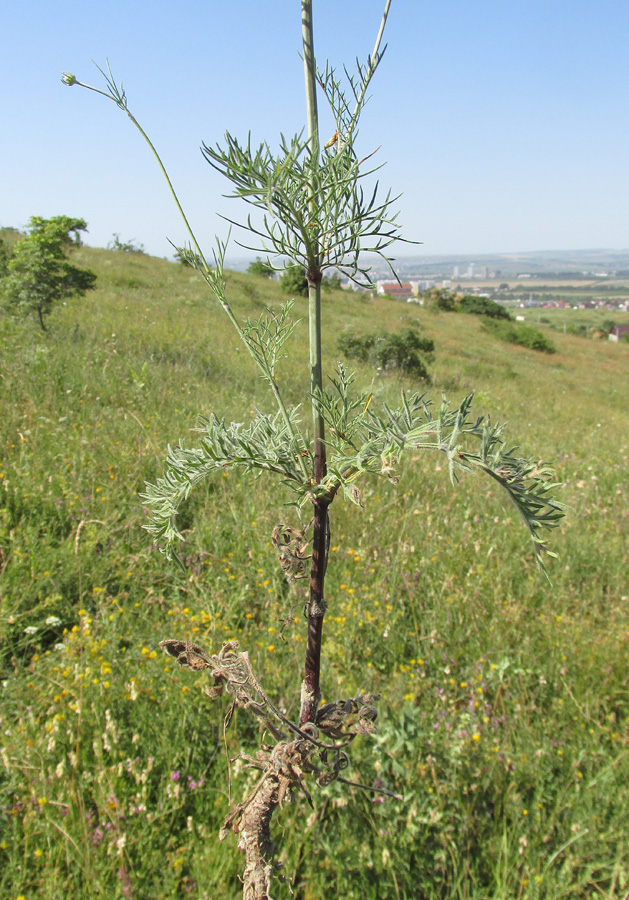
{"x": 260, "y": 268}
{"x": 38, "y": 273}
{"x": 440, "y": 298}
{"x": 294, "y": 281}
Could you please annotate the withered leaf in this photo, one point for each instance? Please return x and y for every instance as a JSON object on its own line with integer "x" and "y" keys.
{"x": 188, "y": 655}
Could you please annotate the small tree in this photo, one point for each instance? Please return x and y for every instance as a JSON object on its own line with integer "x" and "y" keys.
{"x": 316, "y": 215}
{"x": 259, "y": 267}
{"x": 38, "y": 273}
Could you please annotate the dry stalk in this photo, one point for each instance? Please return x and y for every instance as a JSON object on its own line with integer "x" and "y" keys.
{"x": 310, "y": 750}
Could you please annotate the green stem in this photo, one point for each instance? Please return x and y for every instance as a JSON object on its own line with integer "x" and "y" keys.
{"x": 311, "y": 81}
{"x": 171, "y": 189}
{"x": 373, "y": 63}
{"x": 122, "y": 105}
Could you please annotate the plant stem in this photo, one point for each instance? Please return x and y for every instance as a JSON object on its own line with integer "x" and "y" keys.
{"x": 373, "y": 64}
{"x": 311, "y": 80}
{"x": 119, "y": 98}
{"x": 311, "y": 693}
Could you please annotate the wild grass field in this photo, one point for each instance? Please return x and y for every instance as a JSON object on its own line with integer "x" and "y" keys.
{"x": 504, "y": 718}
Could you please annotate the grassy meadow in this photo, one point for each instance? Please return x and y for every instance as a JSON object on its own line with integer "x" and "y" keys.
{"x": 504, "y": 717}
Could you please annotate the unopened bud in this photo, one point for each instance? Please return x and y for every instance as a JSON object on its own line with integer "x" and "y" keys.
{"x": 68, "y": 78}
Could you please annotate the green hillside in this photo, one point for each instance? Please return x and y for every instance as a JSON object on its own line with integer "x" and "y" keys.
{"x": 504, "y": 713}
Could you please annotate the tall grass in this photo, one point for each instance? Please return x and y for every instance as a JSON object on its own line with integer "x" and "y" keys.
{"x": 504, "y": 721}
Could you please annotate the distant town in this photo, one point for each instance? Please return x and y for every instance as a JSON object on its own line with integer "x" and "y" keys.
{"x": 586, "y": 279}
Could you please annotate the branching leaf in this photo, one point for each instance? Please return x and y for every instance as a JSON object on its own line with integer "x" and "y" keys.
{"x": 268, "y": 444}
{"x": 364, "y": 441}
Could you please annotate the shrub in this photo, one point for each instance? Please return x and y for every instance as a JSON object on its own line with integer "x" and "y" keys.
{"x": 4, "y": 258}
{"x": 580, "y": 330}
{"x": 183, "y": 257}
{"x": 405, "y": 352}
{"x": 483, "y": 306}
{"x": 124, "y": 246}
{"x": 524, "y": 335}
{"x": 356, "y": 347}
{"x": 259, "y": 267}
{"x": 331, "y": 282}
{"x": 440, "y": 298}
{"x": 294, "y": 281}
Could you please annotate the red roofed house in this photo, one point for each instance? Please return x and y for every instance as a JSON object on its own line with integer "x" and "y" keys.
{"x": 401, "y": 291}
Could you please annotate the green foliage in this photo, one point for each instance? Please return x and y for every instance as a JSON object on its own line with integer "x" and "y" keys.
{"x": 258, "y": 267}
{"x": 38, "y": 273}
{"x": 185, "y": 258}
{"x": 547, "y": 668}
{"x": 293, "y": 281}
{"x": 360, "y": 441}
{"x": 364, "y": 441}
{"x": 266, "y": 445}
{"x": 331, "y": 282}
{"x": 439, "y": 298}
{"x": 312, "y": 198}
{"x": 131, "y": 246}
{"x": 524, "y": 335}
{"x": 403, "y": 352}
{"x": 483, "y": 306}
{"x": 4, "y": 258}
{"x": 578, "y": 329}
{"x": 448, "y": 301}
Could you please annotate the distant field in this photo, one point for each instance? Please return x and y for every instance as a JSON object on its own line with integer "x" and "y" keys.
{"x": 590, "y": 318}
{"x": 596, "y": 285}
{"x": 504, "y": 718}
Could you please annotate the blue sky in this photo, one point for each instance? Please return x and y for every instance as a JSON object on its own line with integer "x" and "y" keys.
{"x": 505, "y": 124}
